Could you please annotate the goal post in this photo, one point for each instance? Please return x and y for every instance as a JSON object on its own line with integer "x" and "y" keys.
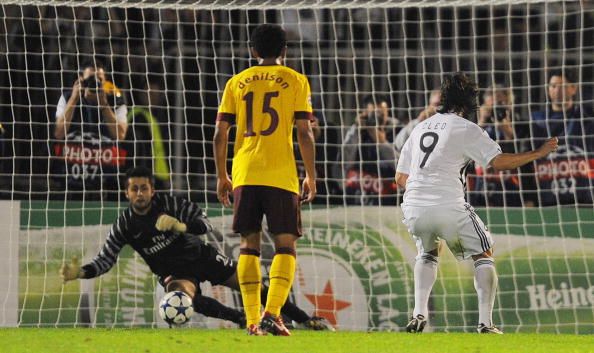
{"x": 167, "y": 62}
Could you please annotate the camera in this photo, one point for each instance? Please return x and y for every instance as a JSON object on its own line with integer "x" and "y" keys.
{"x": 92, "y": 83}
{"x": 374, "y": 119}
{"x": 500, "y": 113}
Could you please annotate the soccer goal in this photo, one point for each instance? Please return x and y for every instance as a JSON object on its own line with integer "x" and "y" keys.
{"x": 374, "y": 67}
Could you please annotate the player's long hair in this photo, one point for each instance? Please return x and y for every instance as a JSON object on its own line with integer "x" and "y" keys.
{"x": 458, "y": 95}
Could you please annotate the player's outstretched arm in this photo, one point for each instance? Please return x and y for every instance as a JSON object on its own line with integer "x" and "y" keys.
{"x": 71, "y": 271}
{"x": 220, "y": 140}
{"x": 104, "y": 261}
{"x": 506, "y": 161}
{"x": 308, "y": 153}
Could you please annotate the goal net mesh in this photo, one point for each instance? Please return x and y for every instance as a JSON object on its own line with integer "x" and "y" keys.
{"x": 373, "y": 67}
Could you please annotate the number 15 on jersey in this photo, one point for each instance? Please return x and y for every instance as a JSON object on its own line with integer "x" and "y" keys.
{"x": 266, "y": 109}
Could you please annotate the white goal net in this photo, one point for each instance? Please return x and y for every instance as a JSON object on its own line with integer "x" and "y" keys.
{"x": 373, "y": 67}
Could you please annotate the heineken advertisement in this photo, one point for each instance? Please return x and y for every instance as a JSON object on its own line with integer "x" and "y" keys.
{"x": 355, "y": 268}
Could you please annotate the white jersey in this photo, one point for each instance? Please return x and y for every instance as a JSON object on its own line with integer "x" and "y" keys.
{"x": 436, "y": 155}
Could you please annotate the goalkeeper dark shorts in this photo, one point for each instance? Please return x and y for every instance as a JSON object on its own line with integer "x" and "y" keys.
{"x": 281, "y": 207}
{"x": 212, "y": 266}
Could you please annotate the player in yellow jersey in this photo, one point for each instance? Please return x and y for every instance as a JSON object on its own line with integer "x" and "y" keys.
{"x": 265, "y": 102}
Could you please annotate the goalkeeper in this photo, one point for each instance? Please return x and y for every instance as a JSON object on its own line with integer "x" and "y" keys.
{"x": 164, "y": 231}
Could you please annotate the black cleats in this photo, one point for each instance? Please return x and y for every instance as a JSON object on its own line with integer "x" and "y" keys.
{"x": 416, "y": 324}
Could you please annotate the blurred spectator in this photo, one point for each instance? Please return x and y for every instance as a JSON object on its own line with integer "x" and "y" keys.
{"x": 368, "y": 157}
{"x": 428, "y": 111}
{"x": 90, "y": 120}
{"x": 326, "y": 151}
{"x": 566, "y": 177}
{"x": 495, "y": 116}
{"x": 145, "y": 142}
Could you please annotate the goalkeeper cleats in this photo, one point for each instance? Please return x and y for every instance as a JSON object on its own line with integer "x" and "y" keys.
{"x": 416, "y": 324}
{"x": 317, "y": 323}
{"x": 274, "y": 325}
{"x": 254, "y": 330}
{"x": 482, "y": 328}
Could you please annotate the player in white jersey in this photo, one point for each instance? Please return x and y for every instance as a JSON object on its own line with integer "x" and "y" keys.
{"x": 432, "y": 170}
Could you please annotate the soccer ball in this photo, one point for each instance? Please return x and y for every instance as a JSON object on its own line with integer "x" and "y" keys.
{"x": 176, "y": 308}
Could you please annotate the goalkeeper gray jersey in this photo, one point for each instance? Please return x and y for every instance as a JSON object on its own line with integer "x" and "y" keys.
{"x": 436, "y": 155}
{"x": 164, "y": 252}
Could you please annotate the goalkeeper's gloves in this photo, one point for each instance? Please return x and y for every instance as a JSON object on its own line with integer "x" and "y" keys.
{"x": 71, "y": 271}
{"x": 167, "y": 223}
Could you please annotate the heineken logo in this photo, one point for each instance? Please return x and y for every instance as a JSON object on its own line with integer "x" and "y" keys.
{"x": 543, "y": 298}
{"x": 353, "y": 277}
{"x": 326, "y": 305}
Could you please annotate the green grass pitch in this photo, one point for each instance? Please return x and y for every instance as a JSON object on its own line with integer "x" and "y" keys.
{"x": 236, "y": 341}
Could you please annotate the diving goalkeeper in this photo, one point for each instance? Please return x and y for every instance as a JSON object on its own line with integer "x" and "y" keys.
{"x": 164, "y": 231}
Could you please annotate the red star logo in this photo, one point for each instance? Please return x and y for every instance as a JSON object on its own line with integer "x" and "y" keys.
{"x": 325, "y": 304}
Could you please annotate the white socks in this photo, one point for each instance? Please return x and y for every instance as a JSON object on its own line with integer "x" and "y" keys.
{"x": 425, "y": 276}
{"x": 485, "y": 283}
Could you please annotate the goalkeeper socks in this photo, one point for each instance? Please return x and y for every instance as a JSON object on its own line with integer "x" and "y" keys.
{"x": 485, "y": 283}
{"x": 425, "y": 275}
{"x": 213, "y": 308}
{"x": 250, "y": 281}
{"x": 282, "y": 273}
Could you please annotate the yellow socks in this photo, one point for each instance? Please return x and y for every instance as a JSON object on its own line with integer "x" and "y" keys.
{"x": 250, "y": 282}
{"x": 282, "y": 273}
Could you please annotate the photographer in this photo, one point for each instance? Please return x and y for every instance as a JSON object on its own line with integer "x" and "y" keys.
{"x": 91, "y": 118}
{"x": 566, "y": 178}
{"x": 495, "y": 116}
{"x": 427, "y": 112}
{"x": 93, "y": 106}
{"x": 368, "y": 156}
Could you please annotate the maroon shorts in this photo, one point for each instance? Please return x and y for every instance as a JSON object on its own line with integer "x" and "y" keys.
{"x": 281, "y": 207}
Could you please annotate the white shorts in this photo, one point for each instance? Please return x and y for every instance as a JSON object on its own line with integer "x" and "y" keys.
{"x": 461, "y": 228}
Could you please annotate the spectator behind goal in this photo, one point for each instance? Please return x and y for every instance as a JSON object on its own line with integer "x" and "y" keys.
{"x": 90, "y": 120}
{"x": 368, "y": 156}
{"x": 566, "y": 177}
{"x": 497, "y": 117}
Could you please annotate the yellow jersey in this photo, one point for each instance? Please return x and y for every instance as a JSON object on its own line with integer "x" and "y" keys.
{"x": 264, "y": 102}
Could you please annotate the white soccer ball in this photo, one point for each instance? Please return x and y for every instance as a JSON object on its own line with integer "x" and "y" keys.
{"x": 176, "y": 308}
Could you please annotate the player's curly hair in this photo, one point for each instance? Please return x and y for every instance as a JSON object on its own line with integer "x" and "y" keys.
{"x": 458, "y": 95}
{"x": 269, "y": 40}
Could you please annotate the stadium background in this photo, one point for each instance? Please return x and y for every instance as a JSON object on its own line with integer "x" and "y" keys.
{"x": 545, "y": 259}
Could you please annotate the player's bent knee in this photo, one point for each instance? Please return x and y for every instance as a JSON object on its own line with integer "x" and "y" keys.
{"x": 286, "y": 251}
{"x": 429, "y": 257}
{"x": 485, "y": 255}
{"x": 285, "y": 240}
{"x": 250, "y": 240}
{"x": 183, "y": 285}
{"x": 232, "y": 282}
{"x": 249, "y": 251}
{"x": 434, "y": 252}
